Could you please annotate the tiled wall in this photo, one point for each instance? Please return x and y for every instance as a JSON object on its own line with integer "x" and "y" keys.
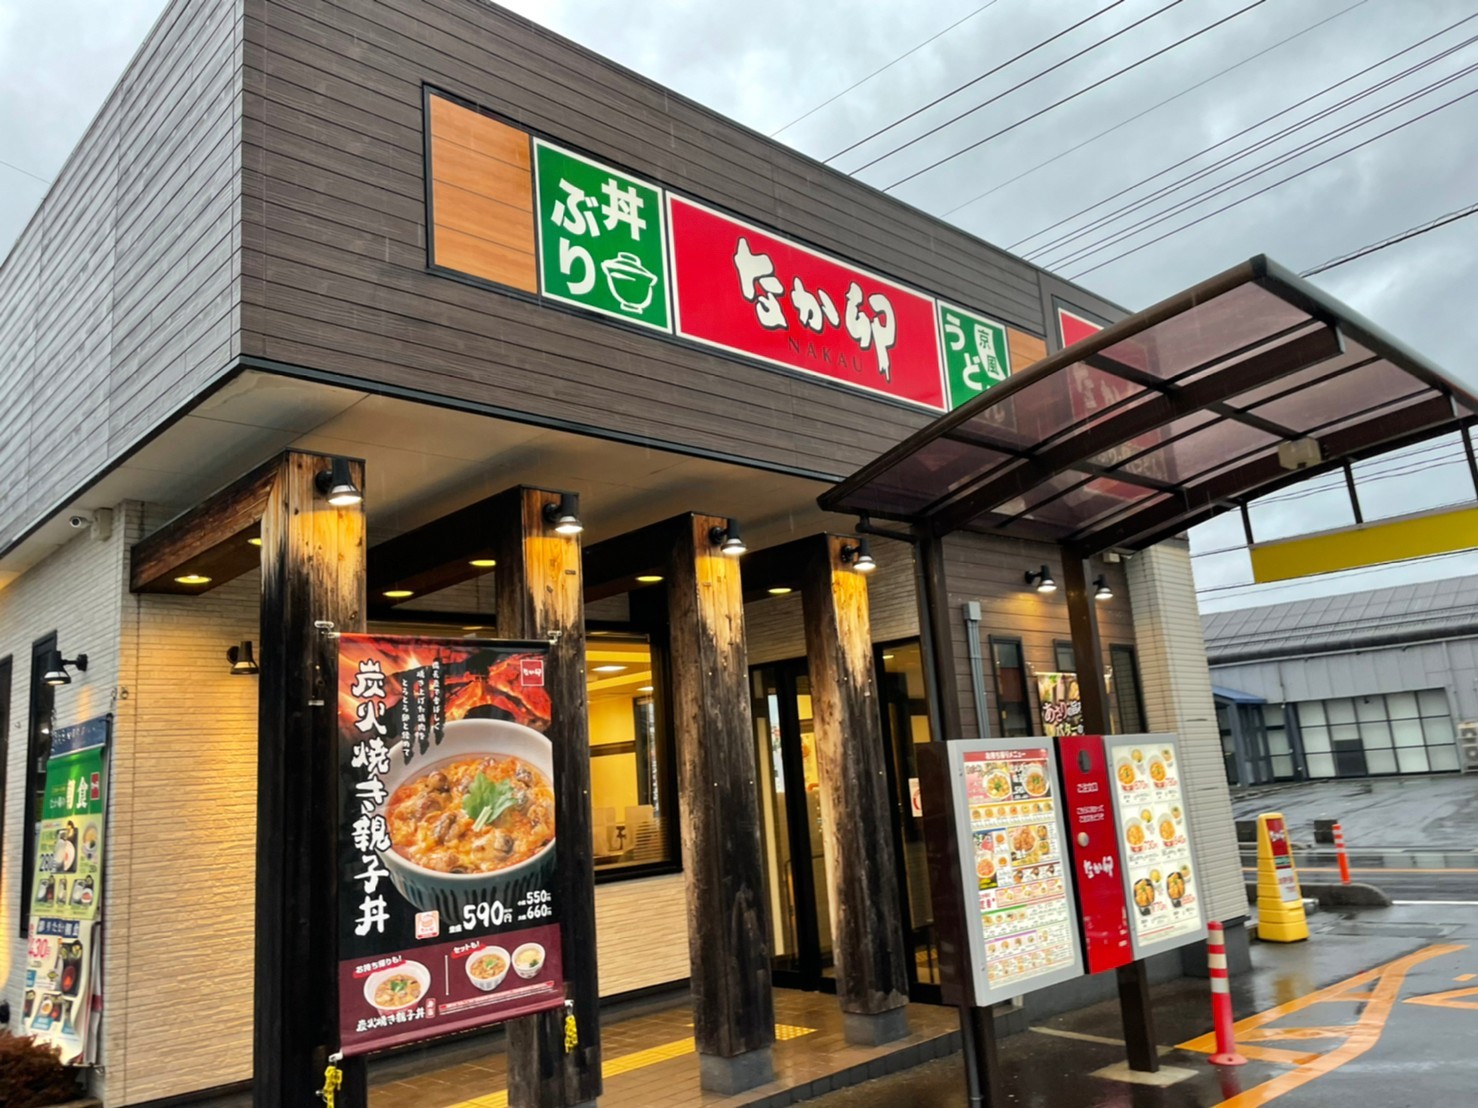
{"x": 1177, "y": 697}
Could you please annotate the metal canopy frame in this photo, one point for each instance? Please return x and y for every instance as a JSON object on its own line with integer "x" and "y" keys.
{"x": 1165, "y": 419}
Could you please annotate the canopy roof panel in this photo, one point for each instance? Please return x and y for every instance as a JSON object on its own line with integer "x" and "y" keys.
{"x": 1165, "y": 419}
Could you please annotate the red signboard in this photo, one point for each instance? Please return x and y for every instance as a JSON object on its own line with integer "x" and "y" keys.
{"x": 1097, "y": 864}
{"x": 747, "y": 291}
{"x": 1282, "y": 859}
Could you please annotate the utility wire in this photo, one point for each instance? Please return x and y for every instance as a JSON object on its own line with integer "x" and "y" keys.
{"x": 973, "y": 81}
{"x": 27, "y": 172}
{"x": 1066, "y": 99}
{"x": 1276, "y": 184}
{"x": 1083, "y": 251}
{"x": 1140, "y": 115}
{"x": 880, "y": 69}
{"x": 1071, "y": 247}
{"x": 1341, "y": 573}
{"x": 1230, "y": 138}
{"x": 1053, "y": 68}
{"x": 1440, "y": 221}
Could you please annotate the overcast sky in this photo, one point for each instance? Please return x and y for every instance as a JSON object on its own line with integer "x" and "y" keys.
{"x": 766, "y": 62}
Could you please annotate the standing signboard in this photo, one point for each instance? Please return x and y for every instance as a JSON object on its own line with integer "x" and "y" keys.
{"x": 1061, "y": 704}
{"x": 61, "y": 969}
{"x": 1159, "y": 871}
{"x": 1020, "y": 932}
{"x": 448, "y": 915}
{"x": 1098, "y": 861}
{"x": 1280, "y": 907}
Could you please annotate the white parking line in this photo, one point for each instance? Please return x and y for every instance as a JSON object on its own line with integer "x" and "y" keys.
{"x": 1449, "y": 902}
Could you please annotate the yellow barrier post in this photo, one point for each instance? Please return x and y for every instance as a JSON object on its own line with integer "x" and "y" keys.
{"x": 1280, "y": 906}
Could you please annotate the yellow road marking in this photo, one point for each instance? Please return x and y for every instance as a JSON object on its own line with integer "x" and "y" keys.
{"x": 636, "y": 1060}
{"x": 1378, "y": 989}
{"x": 1453, "y": 999}
{"x": 1465, "y": 976}
{"x": 1273, "y": 1054}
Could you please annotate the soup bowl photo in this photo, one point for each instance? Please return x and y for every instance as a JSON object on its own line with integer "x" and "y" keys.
{"x": 487, "y": 968}
{"x": 486, "y": 881}
{"x": 528, "y": 961}
{"x": 395, "y": 998}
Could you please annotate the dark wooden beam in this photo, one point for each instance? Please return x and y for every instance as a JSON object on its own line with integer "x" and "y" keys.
{"x": 539, "y": 596}
{"x": 867, "y": 917}
{"x": 613, "y": 565}
{"x": 436, "y": 555}
{"x": 211, "y": 540}
{"x": 1138, "y": 419}
{"x": 312, "y": 558}
{"x": 728, "y": 935}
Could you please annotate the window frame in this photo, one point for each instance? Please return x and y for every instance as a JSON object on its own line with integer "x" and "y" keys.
{"x": 42, "y": 698}
{"x": 1133, "y": 652}
{"x": 1026, "y": 692}
{"x": 1058, "y": 646}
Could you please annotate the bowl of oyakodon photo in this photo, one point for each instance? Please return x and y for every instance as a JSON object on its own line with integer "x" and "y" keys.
{"x": 473, "y": 819}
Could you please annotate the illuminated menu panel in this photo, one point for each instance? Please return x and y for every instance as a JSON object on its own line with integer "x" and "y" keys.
{"x": 1163, "y": 886}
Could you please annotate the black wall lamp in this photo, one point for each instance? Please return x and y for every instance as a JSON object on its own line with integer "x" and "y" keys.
{"x": 337, "y": 483}
{"x": 1042, "y": 579}
{"x": 727, "y": 539}
{"x": 242, "y": 662}
{"x": 54, "y": 671}
{"x": 564, "y": 517}
{"x": 1101, "y": 590}
{"x": 859, "y": 557}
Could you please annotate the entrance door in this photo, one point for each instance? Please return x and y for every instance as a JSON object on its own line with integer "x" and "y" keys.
{"x": 790, "y": 816}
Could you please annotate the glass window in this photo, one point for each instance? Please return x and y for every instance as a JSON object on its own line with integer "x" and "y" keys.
{"x": 1439, "y": 731}
{"x": 1321, "y": 765}
{"x": 632, "y": 808}
{"x": 1282, "y": 766}
{"x": 1407, "y": 732}
{"x": 1380, "y": 761}
{"x": 1012, "y": 704}
{"x": 1126, "y": 697}
{"x": 1274, "y": 716}
{"x": 1316, "y": 739}
{"x": 1345, "y": 733}
{"x": 1311, "y": 713}
{"x": 1340, "y": 711}
{"x": 1063, "y": 657}
{"x": 1369, "y": 708}
{"x": 1376, "y": 734}
{"x": 1433, "y": 702}
{"x": 1402, "y": 705}
{"x": 1413, "y": 759}
{"x": 38, "y": 749}
{"x": 1443, "y": 757}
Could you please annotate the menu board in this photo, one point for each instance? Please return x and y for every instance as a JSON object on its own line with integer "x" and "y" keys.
{"x": 1061, "y": 704}
{"x": 1159, "y": 867}
{"x": 1021, "y": 921}
{"x": 448, "y": 915}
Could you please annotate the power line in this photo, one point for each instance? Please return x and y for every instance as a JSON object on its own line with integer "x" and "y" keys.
{"x": 1276, "y": 184}
{"x": 1340, "y": 573}
{"x": 1080, "y": 251}
{"x": 1066, "y": 99}
{"x": 1440, "y": 221}
{"x": 27, "y": 172}
{"x": 1230, "y": 138}
{"x": 1053, "y": 68}
{"x": 880, "y": 69}
{"x": 973, "y": 81}
{"x": 1140, "y": 115}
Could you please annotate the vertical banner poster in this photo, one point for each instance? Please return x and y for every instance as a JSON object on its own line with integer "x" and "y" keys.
{"x": 67, "y": 891}
{"x": 1159, "y": 866}
{"x": 1022, "y": 933}
{"x": 448, "y": 917}
{"x": 1061, "y": 704}
{"x": 1088, "y": 796}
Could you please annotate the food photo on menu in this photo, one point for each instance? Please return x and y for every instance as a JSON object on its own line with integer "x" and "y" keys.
{"x": 448, "y": 918}
{"x": 1156, "y": 841}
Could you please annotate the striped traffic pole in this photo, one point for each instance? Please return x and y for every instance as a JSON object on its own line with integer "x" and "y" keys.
{"x": 1344, "y": 860}
{"x": 1221, "y": 998}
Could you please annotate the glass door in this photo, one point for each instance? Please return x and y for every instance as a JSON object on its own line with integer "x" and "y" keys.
{"x": 790, "y": 819}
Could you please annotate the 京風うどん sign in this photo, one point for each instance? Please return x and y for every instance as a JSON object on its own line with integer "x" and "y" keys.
{"x": 448, "y": 915}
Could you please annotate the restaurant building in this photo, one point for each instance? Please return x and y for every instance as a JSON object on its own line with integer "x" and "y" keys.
{"x": 493, "y": 281}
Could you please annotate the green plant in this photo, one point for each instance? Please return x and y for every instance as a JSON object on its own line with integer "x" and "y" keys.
{"x": 32, "y": 1075}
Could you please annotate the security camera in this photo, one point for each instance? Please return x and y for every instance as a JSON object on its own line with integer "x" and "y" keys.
{"x": 79, "y": 521}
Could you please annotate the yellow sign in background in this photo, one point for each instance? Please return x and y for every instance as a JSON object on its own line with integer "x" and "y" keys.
{"x": 1366, "y": 544}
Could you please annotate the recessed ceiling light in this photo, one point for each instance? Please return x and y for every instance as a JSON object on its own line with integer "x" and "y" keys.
{"x": 781, "y": 590}
{"x": 649, "y": 578}
{"x": 887, "y": 657}
{"x": 483, "y": 563}
{"x": 192, "y": 579}
{"x": 255, "y": 541}
{"x": 612, "y": 668}
{"x": 479, "y": 627}
{"x": 397, "y": 594}
{"x": 645, "y": 688}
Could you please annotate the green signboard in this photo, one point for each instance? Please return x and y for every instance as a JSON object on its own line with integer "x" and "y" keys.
{"x": 975, "y": 354}
{"x": 69, "y": 843}
{"x": 602, "y": 238}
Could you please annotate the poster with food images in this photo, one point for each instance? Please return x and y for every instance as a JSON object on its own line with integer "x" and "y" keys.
{"x": 67, "y": 882}
{"x": 1017, "y": 884}
{"x": 1164, "y": 889}
{"x": 448, "y": 911}
{"x": 1061, "y": 704}
{"x": 56, "y": 1007}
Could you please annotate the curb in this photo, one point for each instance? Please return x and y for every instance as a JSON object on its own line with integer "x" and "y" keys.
{"x": 1334, "y": 895}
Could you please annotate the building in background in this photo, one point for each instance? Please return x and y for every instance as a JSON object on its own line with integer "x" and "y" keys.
{"x": 1367, "y": 684}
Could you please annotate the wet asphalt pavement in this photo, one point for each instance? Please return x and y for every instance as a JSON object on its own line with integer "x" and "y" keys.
{"x": 1353, "y": 1050}
{"x": 1411, "y": 813}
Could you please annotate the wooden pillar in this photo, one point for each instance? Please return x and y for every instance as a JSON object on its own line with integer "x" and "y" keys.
{"x": 540, "y": 596}
{"x": 1135, "y": 1009}
{"x": 867, "y": 918}
{"x": 313, "y": 569}
{"x": 728, "y": 939}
